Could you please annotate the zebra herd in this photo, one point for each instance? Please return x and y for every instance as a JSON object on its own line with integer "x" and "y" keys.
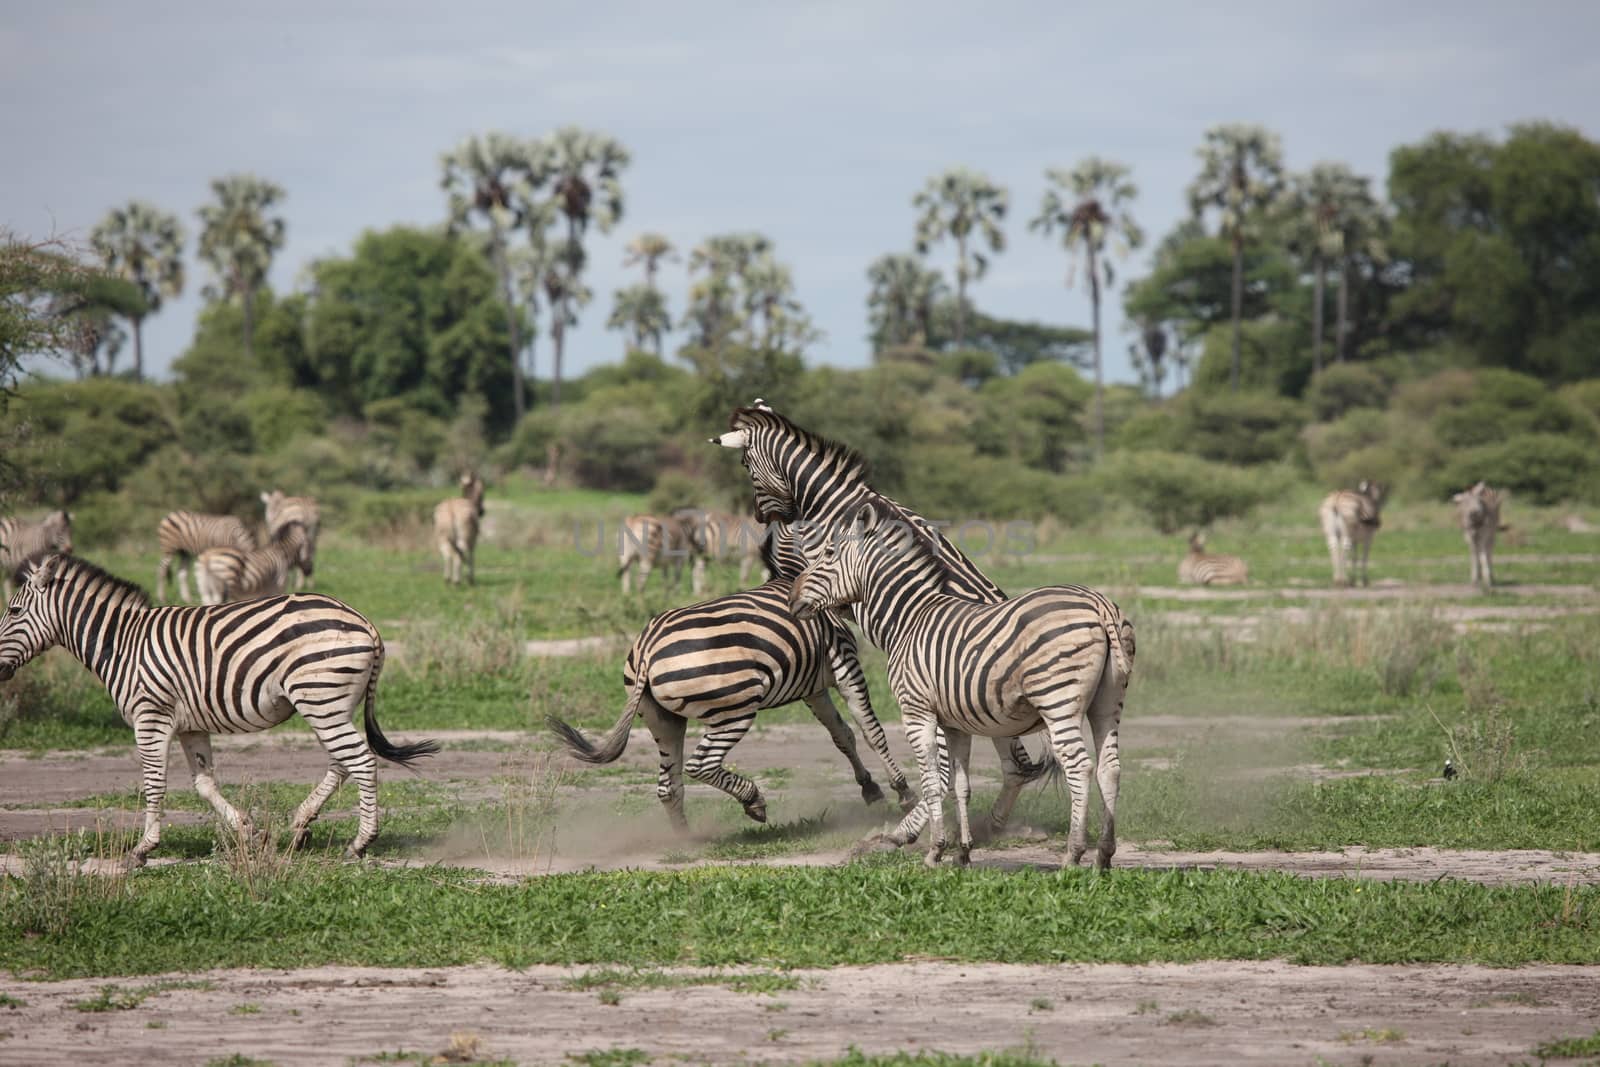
{"x": 645, "y": 542}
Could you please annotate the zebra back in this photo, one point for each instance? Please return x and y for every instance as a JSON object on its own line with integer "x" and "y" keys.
{"x": 189, "y": 533}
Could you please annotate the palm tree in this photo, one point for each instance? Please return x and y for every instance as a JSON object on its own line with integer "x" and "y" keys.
{"x": 143, "y": 245}
{"x": 1149, "y": 354}
{"x": 1088, "y": 204}
{"x": 1241, "y": 169}
{"x": 239, "y": 237}
{"x": 640, "y": 310}
{"x": 1312, "y": 204}
{"x": 1360, "y": 229}
{"x": 650, "y": 250}
{"x": 491, "y": 177}
{"x": 718, "y": 265}
{"x": 965, "y": 206}
{"x": 901, "y": 300}
{"x": 585, "y": 186}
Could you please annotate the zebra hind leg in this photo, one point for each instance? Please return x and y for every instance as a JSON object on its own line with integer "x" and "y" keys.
{"x": 311, "y": 806}
{"x": 344, "y": 744}
{"x": 827, "y": 714}
{"x": 668, "y": 730}
{"x": 1105, "y": 720}
{"x": 197, "y": 749}
{"x": 705, "y": 766}
{"x": 1062, "y": 708}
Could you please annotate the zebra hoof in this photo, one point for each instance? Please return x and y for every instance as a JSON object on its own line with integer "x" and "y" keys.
{"x": 757, "y": 810}
{"x": 871, "y": 793}
{"x": 963, "y": 855}
{"x": 133, "y": 861}
{"x": 874, "y": 843}
{"x": 908, "y": 797}
{"x": 933, "y": 856}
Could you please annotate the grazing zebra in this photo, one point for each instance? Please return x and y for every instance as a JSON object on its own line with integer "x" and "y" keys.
{"x": 1200, "y": 567}
{"x": 1055, "y": 658}
{"x": 715, "y": 534}
{"x": 198, "y": 671}
{"x": 224, "y": 574}
{"x": 21, "y": 540}
{"x": 1349, "y": 520}
{"x": 1478, "y": 510}
{"x": 183, "y": 535}
{"x": 645, "y": 541}
{"x": 802, "y": 478}
{"x": 281, "y": 511}
{"x": 721, "y": 662}
{"x": 455, "y": 529}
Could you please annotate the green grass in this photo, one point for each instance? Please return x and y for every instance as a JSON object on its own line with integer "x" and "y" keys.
{"x": 613, "y": 978}
{"x": 1570, "y": 1048}
{"x": 197, "y": 917}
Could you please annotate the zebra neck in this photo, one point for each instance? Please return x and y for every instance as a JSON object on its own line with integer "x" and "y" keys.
{"x": 823, "y": 487}
{"x": 95, "y": 629}
{"x": 894, "y": 587}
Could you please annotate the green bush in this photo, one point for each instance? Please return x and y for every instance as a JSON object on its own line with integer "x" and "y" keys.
{"x": 675, "y": 489}
{"x": 1346, "y": 387}
{"x": 73, "y": 438}
{"x": 1538, "y": 468}
{"x": 383, "y": 514}
{"x": 1425, "y": 397}
{"x": 1160, "y": 428}
{"x": 1384, "y": 462}
{"x": 951, "y": 483}
{"x": 278, "y": 415}
{"x": 1329, "y": 443}
{"x": 1242, "y": 428}
{"x": 1178, "y": 491}
{"x": 1584, "y": 398}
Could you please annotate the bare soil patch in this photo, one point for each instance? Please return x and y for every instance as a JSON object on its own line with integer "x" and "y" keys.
{"x": 1205, "y": 1013}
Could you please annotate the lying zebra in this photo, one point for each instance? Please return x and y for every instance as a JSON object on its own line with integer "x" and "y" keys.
{"x": 1057, "y": 658}
{"x": 1200, "y": 567}
{"x": 721, "y": 662}
{"x": 196, "y": 671}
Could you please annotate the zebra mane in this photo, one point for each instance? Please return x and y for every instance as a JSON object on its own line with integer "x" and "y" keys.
{"x": 77, "y": 565}
{"x": 841, "y": 454}
{"x": 923, "y": 543}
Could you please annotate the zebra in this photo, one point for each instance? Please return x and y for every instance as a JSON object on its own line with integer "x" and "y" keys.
{"x": 197, "y": 671}
{"x": 455, "y": 529}
{"x": 714, "y": 534}
{"x": 644, "y": 541}
{"x": 1055, "y": 658}
{"x": 223, "y": 574}
{"x": 803, "y": 478}
{"x": 1478, "y": 511}
{"x": 183, "y": 535}
{"x": 281, "y": 511}
{"x": 1200, "y": 567}
{"x": 1349, "y": 520}
{"x": 21, "y": 540}
{"x": 724, "y": 660}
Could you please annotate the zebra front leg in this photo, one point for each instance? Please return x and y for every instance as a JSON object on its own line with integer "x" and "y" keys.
{"x": 197, "y": 749}
{"x": 822, "y": 707}
{"x": 668, "y": 729}
{"x": 311, "y": 806}
{"x": 1013, "y": 776}
{"x": 697, "y": 576}
{"x": 152, "y": 735}
{"x": 186, "y": 570}
{"x": 705, "y": 766}
{"x": 960, "y": 756}
{"x": 852, "y": 684}
{"x": 162, "y": 569}
{"x": 922, "y": 731}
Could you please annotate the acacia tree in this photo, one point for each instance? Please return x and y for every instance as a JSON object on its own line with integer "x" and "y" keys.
{"x": 239, "y": 235}
{"x": 1089, "y": 204}
{"x": 640, "y": 311}
{"x": 1241, "y": 171}
{"x": 649, "y": 250}
{"x": 144, "y": 246}
{"x": 490, "y": 178}
{"x": 967, "y": 207}
{"x": 901, "y": 300}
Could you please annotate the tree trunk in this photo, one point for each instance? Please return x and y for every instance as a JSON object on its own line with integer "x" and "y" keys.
{"x": 1099, "y": 377}
{"x": 138, "y": 348}
{"x": 1319, "y": 273}
{"x": 558, "y": 332}
{"x": 1238, "y": 304}
{"x": 961, "y": 291}
{"x": 513, "y": 326}
{"x": 249, "y": 324}
{"x": 1344, "y": 310}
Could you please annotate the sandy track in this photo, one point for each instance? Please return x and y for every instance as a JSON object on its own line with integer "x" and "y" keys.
{"x": 1205, "y": 1013}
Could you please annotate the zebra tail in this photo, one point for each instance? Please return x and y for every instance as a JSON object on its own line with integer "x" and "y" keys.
{"x": 1119, "y": 654}
{"x": 401, "y": 754}
{"x": 614, "y": 743}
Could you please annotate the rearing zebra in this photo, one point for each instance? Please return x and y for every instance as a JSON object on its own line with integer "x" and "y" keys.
{"x": 1349, "y": 521}
{"x": 183, "y": 535}
{"x": 280, "y": 512}
{"x": 229, "y": 574}
{"x": 21, "y": 541}
{"x": 721, "y": 662}
{"x": 802, "y": 478}
{"x": 1057, "y": 658}
{"x": 196, "y": 671}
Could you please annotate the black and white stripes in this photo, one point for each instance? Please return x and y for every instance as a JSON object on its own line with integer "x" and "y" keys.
{"x": 183, "y": 535}
{"x": 1349, "y": 521}
{"x": 21, "y": 541}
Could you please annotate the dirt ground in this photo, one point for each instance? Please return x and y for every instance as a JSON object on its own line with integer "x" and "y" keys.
{"x": 1205, "y": 1013}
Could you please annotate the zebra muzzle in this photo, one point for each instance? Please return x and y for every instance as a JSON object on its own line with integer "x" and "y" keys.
{"x": 6, "y": 671}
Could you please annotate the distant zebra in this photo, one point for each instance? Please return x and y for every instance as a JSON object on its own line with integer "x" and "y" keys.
{"x": 645, "y": 542}
{"x": 802, "y": 478}
{"x": 1478, "y": 511}
{"x": 224, "y": 574}
{"x": 1056, "y": 658}
{"x": 183, "y": 535}
{"x": 1200, "y": 567}
{"x": 721, "y": 662}
{"x": 281, "y": 511}
{"x": 1349, "y": 521}
{"x": 455, "y": 529}
{"x": 21, "y": 540}
{"x": 197, "y": 671}
{"x": 714, "y": 535}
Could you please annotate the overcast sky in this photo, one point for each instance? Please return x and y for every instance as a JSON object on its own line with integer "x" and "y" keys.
{"x": 812, "y": 122}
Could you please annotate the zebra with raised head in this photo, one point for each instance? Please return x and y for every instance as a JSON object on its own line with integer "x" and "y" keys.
{"x": 455, "y": 529}
{"x": 805, "y": 479}
{"x": 721, "y": 662}
{"x": 1478, "y": 512}
{"x": 1349, "y": 521}
{"x": 280, "y": 512}
{"x": 21, "y": 541}
{"x": 645, "y": 542}
{"x": 183, "y": 535}
{"x": 714, "y": 535}
{"x": 224, "y": 574}
{"x": 197, "y": 671}
{"x": 1200, "y": 567}
{"x": 1057, "y": 658}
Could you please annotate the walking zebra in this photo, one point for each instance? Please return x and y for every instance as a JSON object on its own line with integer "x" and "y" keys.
{"x": 183, "y": 535}
{"x": 198, "y": 671}
{"x": 1200, "y": 567}
{"x": 1478, "y": 511}
{"x": 455, "y": 529}
{"x": 21, "y": 540}
{"x": 646, "y": 541}
{"x": 1349, "y": 520}
{"x": 1057, "y": 658}
{"x": 281, "y": 511}
{"x": 721, "y": 662}
{"x": 224, "y": 574}
{"x": 802, "y": 478}
{"x": 714, "y": 535}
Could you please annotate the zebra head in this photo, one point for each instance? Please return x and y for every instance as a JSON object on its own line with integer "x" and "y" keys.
{"x": 58, "y": 528}
{"x": 835, "y": 574}
{"x": 29, "y": 625}
{"x": 1373, "y": 491}
{"x": 762, "y": 437}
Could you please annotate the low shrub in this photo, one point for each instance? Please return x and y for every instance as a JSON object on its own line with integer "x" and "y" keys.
{"x": 1178, "y": 491}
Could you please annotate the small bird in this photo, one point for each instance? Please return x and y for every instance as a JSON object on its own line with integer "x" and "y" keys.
{"x": 1449, "y": 770}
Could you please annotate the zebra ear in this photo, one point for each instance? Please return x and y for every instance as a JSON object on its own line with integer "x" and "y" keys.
{"x": 45, "y": 571}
